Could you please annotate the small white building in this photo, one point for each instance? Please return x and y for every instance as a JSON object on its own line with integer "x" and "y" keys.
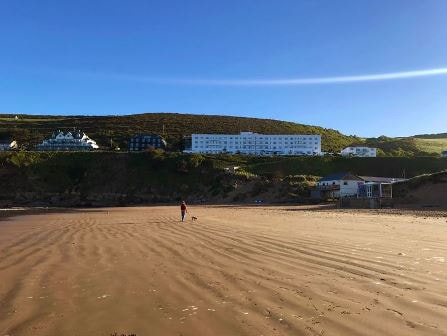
{"x": 444, "y": 154}
{"x": 8, "y": 144}
{"x": 250, "y": 143}
{"x": 359, "y": 151}
{"x": 60, "y": 141}
{"x": 337, "y": 185}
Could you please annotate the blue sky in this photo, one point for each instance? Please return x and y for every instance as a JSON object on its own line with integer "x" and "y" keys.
{"x": 124, "y": 57}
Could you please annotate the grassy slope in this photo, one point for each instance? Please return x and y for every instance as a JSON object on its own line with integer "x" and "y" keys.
{"x": 436, "y": 145}
{"x": 431, "y": 136}
{"x": 379, "y": 166}
{"x": 424, "y": 190}
{"x": 111, "y": 178}
{"x": 30, "y": 130}
{"x": 74, "y": 178}
{"x": 91, "y": 176}
{"x": 407, "y": 146}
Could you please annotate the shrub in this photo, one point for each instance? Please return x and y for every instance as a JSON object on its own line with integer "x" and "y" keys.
{"x": 195, "y": 160}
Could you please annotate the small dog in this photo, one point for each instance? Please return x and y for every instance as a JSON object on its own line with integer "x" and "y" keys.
{"x": 193, "y": 218}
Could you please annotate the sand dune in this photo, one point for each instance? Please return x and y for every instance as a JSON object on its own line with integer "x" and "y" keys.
{"x": 236, "y": 271}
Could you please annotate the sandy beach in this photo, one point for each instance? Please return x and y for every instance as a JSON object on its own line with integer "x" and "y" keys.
{"x": 234, "y": 271}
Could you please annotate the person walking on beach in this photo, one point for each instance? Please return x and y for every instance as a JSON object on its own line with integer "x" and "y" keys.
{"x": 183, "y": 210}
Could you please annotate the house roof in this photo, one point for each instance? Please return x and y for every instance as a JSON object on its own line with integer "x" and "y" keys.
{"x": 381, "y": 179}
{"x": 77, "y": 134}
{"x": 146, "y": 135}
{"x": 340, "y": 176}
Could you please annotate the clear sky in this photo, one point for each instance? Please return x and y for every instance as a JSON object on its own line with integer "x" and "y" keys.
{"x": 232, "y": 57}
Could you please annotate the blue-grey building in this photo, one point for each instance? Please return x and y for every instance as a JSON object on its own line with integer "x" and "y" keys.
{"x": 142, "y": 142}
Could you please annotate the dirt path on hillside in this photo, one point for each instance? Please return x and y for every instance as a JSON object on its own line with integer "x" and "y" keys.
{"x": 235, "y": 271}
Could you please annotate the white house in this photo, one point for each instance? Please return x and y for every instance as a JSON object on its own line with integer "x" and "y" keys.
{"x": 444, "y": 154}
{"x": 337, "y": 185}
{"x": 60, "y": 141}
{"x": 359, "y": 151}
{"x": 8, "y": 144}
{"x": 256, "y": 144}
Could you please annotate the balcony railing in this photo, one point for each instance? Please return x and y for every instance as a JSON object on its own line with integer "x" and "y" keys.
{"x": 327, "y": 187}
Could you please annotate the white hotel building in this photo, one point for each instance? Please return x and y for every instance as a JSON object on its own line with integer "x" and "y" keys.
{"x": 256, "y": 144}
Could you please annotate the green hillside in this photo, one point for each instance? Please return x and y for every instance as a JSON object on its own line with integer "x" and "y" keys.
{"x": 436, "y": 145}
{"x": 405, "y": 147}
{"x": 321, "y": 166}
{"x": 117, "y": 178}
{"x": 431, "y": 136}
{"x": 424, "y": 191}
{"x": 30, "y": 130}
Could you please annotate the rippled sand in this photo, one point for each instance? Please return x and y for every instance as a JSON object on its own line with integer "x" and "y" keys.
{"x": 235, "y": 271}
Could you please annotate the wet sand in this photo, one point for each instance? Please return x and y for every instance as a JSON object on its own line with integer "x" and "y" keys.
{"x": 235, "y": 271}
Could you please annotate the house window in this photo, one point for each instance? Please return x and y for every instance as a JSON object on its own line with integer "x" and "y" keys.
{"x": 345, "y": 183}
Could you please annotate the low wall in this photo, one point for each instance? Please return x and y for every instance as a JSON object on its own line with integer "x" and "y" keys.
{"x": 366, "y": 203}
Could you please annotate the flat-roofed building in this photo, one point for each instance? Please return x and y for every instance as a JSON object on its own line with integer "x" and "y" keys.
{"x": 142, "y": 142}
{"x": 359, "y": 151}
{"x": 250, "y": 143}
